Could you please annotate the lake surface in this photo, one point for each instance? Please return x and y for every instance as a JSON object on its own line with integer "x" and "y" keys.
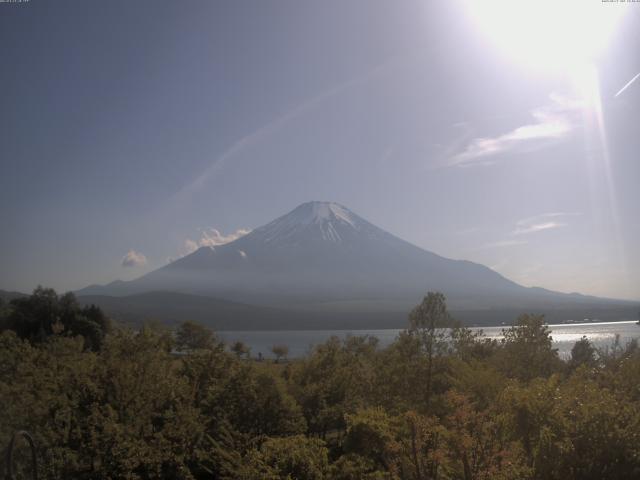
{"x": 300, "y": 342}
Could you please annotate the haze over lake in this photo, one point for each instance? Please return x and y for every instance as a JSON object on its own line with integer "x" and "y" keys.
{"x": 300, "y": 342}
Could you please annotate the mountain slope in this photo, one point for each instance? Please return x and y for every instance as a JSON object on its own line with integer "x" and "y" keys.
{"x": 8, "y": 296}
{"x": 323, "y": 257}
{"x": 171, "y": 307}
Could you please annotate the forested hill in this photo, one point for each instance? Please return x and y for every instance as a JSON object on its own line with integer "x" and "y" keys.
{"x": 435, "y": 404}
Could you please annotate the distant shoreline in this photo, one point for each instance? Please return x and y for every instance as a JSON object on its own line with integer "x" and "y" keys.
{"x": 309, "y": 330}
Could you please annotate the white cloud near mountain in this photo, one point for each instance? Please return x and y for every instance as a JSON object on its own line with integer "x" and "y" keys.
{"x": 553, "y": 122}
{"x": 133, "y": 259}
{"x": 212, "y": 237}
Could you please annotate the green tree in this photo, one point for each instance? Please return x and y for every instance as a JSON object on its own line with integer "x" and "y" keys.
{"x": 193, "y": 336}
{"x": 334, "y": 380}
{"x": 583, "y": 353}
{"x": 468, "y": 345}
{"x": 599, "y": 432}
{"x": 240, "y": 349}
{"x": 252, "y": 402}
{"x": 527, "y": 350}
{"x": 349, "y": 410}
{"x": 289, "y": 458}
{"x": 427, "y": 321}
{"x": 420, "y": 448}
{"x": 533, "y": 419}
{"x": 356, "y": 467}
{"x": 32, "y": 317}
{"x": 370, "y": 435}
{"x": 478, "y": 443}
{"x": 401, "y": 373}
{"x": 280, "y": 351}
{"x": 44, "y": 313}
{"x": 143, "y": 423}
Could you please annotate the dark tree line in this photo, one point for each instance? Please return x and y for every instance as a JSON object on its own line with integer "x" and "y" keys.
{"x": 439, "y": 403}
{"x": 45, "y": 313}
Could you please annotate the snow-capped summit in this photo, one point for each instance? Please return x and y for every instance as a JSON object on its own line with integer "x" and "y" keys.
{"x": 317, "y": 212}
{"x": 315, "y": 220}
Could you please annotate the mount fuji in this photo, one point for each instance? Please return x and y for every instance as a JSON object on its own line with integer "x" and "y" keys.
{"x": 321, "y": 264}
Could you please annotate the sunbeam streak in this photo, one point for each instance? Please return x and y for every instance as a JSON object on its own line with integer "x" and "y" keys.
{"x": 600, "y": 155}
{"x": 628, "y": 84}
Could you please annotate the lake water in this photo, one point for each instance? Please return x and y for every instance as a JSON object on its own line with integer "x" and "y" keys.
{"x": 300, "y": 342}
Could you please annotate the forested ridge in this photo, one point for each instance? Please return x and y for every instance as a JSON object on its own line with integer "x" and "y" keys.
{"x": 107, "y": 402}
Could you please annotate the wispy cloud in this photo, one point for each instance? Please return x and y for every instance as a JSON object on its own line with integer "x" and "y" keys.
{"x": 538, "y": 227}
{"x": 276, "y": 124}
{"x": 553, "y": 122}
{"x": 212, "y": 237}
{"x": 539, "y": 223}
{"x": 134, "y": 259}
{"x": 526, "y": 226}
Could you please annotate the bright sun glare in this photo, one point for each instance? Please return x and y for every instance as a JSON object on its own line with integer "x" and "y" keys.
{"x": 549, "y": 35}
{"x": 564, "y": 37}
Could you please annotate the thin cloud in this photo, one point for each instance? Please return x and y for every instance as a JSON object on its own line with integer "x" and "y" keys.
{"x": 134, "y": 259}
{"x": 466, "y": 133}
{"x": 277, "y": 124}
{"x": 539, "y": 223}
{"x": 553, "y": 122}
{"x": 538, "y": 227}
{"x": 526, "y": 226}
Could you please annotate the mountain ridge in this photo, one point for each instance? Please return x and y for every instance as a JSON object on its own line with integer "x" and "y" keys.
{"x": 322, "y": 252}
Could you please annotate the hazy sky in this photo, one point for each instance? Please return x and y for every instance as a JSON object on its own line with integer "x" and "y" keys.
{"x": 130, "y": 129}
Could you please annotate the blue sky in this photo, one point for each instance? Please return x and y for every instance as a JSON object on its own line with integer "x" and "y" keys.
{"x": 132, "y": 130}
